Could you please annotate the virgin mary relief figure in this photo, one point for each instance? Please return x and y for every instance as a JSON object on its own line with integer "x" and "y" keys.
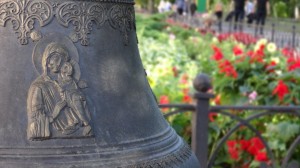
{"x": 56, "y": 107}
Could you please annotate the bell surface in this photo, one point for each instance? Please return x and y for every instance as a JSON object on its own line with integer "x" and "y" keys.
{"x": 74, "y": 92}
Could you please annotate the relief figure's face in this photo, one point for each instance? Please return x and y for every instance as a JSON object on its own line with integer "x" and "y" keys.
{"x": 66, "y": 70}
{"x": 55, "y": 63}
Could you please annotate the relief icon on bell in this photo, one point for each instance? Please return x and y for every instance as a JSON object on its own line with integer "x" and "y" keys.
{"x": 56, "y": 106}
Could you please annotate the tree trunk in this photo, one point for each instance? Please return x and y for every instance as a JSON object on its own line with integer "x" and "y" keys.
{"x": 151, "y": 6}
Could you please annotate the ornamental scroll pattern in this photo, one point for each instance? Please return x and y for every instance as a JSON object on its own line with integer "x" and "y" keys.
{"x": 81, "y": 15}
{"x": 122, "y": 18}
{"x": 23, "y": 13}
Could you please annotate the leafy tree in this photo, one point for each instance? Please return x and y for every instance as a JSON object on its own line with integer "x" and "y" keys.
{"x": 150, "y": 5}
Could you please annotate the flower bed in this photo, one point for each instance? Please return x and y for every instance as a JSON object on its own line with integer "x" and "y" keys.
{"x": 244, "y": 70}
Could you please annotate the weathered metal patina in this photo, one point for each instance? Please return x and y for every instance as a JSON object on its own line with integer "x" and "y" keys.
{"x": 74, "y": 92}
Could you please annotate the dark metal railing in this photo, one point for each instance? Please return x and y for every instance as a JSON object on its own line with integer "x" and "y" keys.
{"x": 283, "y": 33}
{"x": 200, "y": 124}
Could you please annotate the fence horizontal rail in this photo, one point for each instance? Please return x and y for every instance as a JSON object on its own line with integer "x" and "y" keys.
{"x": 191, "y": 107}
{"x": 257, "y": 112}
{"x": 256, "y": 108}
{"x": 182, "y": 106}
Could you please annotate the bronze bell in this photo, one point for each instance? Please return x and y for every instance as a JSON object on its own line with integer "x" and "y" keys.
{"x": 74, "y": 92}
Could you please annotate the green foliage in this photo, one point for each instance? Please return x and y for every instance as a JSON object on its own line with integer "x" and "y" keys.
{"x": 280, "y": 9}
{"x": 144, "y": 3}
{"x": 182, "y": 125}
{"x": 282, "y": 131}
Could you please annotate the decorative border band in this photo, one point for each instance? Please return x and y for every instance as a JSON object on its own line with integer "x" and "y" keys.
{"x": 23, "y": 14}
{"x": 110, "y": 1}
{"x": 174, "y": 159}
{"x": 83, "y": 15}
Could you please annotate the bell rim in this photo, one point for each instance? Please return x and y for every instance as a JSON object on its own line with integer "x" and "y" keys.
{"x": 168, "y": 149}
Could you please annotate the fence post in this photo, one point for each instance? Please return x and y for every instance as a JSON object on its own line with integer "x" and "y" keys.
{"x": 202, "y": 84}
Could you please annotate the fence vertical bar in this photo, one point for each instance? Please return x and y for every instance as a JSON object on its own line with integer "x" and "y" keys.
{"x": 200, "y": 118}
{"x": 230, "y": 26}
{"x": 273, "y": 32}
{"x": 254, "y": 30}
{"x": 293, "y": 36}
{"x": 282, "y": 41}
{"x": 220, "y": 25}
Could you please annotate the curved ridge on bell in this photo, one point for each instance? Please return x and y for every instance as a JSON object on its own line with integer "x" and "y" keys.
{"x": 164, "y": 150}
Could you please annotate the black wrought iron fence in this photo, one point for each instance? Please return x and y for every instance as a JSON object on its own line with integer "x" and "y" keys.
{"x": 200, "y": 120}
{"x": 282, "y": 32}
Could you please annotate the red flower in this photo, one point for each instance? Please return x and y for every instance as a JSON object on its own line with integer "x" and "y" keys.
{"x": 252, "y": 150}
{"x": 233, "y": 149}
{"x": 245, "y": 144}
{"x": 185, "y": 26}
{"x": 185, "y": 91}
{"x": 281, "y": 90}
{"x": 240, "y": 37}
{"x": 187, "y": 99}
{"x": 258, "y": 55}
{"x": 250, "y": 53}
{"x": 293, "y": 63}
{"x": 244, "y": 38}
{"x": 246, "y": 165}
{"x": 261, "y": 47}
{"x": 164, "y": 100}
{"x": 184, "y": 79}
{"x": 227, "y": 68}
{"x": 237, "y": 50}
{"x": 261, "y": 156}
{"x": 218, "y": 55}
{"x": 234, "y": 153}
{"x": 255, "y": 146}
{"x": 175, "y": 71}
{"x": 171, "y": 21}
{"x": 287, "y": 52}
{"x": 212, "y": 116}
{"x": 231, "y": 143}
{"x": 257, "y": 142}
{"x": 294, "y": 66}
{"x": 223, "y": 37}
{"x": 217, "y": 100}
{"x": 270, "y": 67}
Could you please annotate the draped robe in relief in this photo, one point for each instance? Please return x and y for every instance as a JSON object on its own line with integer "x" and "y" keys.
{"x": 42, "y": 97}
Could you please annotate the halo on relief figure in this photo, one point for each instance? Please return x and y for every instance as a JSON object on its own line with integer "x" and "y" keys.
{"x": 61, "y": 39}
